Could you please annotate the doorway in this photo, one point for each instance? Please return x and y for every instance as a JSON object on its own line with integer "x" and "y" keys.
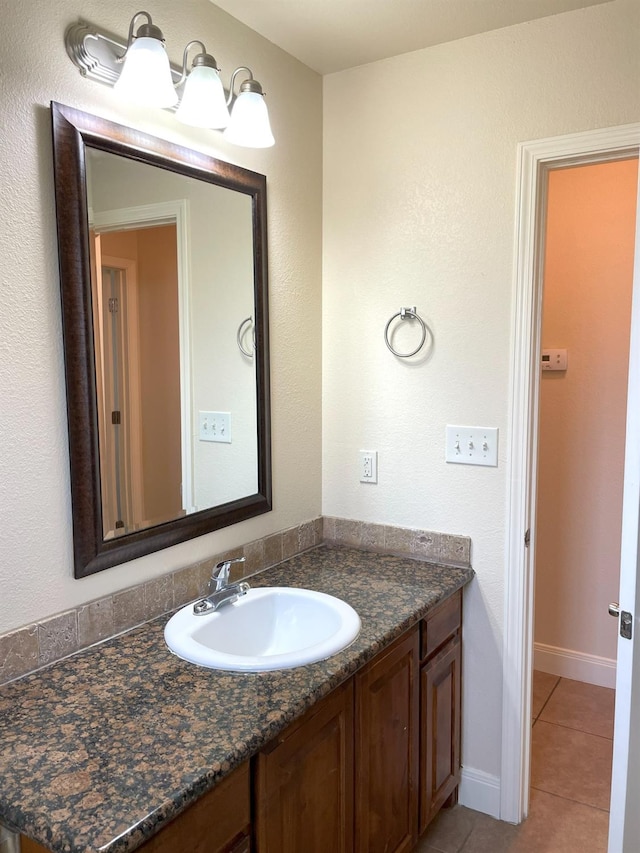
{"x": 586, "y": 318}
{"x": 535, "y": 161}
{"x": 138, "y": 374}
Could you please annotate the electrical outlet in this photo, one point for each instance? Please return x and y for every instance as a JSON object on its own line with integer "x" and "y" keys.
{"x": 214, "y": 426}
{"x": 472, "y": 445}
{"x": 368, "y": 466}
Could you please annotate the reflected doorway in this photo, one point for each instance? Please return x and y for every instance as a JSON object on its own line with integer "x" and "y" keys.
{"x": 138, "y": 376}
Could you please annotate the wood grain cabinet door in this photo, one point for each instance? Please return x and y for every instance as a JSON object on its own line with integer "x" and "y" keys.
{"x": 387, "y": 709}
{"x": 440, "y": 728}
{"x": 304, "y": 782}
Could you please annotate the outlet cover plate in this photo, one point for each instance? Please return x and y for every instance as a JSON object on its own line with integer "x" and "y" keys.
{"x": 472, "y": 445}
{"x": 368, "y": 466}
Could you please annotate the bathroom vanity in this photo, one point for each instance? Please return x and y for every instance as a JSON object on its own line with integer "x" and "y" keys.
{"x": 127, "y": 747}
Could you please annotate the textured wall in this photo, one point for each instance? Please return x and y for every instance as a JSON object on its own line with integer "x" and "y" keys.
{"x": 587, "y": 309}
{"x": 36, "y": 572}
{"x": 419, "y": 209}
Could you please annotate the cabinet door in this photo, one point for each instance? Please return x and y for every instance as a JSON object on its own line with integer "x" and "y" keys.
{"x": 387, "y": 710}
{"x": 304, "y": 782}
{"x": 440, "y": 728}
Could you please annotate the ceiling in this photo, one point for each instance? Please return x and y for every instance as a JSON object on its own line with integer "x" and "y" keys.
{"x": 331, "y": 35}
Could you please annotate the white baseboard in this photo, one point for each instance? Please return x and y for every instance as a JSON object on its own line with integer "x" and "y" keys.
{"x": 479, "y": 791}
{"x": 570, "y": 664}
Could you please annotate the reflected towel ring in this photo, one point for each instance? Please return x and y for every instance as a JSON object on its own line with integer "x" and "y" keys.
{"x": 404, "y": 314}
{"x": 239, "y": 336}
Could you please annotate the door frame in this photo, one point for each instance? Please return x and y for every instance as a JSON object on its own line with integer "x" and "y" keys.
{"x": 535, "y": 160}
{"x": 163, "y": 213}
{"x": 131, "y": 415}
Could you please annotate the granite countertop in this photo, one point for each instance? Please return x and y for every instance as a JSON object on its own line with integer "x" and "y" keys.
{"x": 99, "y": 751}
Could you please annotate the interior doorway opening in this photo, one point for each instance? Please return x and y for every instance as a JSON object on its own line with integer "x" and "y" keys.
{"x": 535, "y": 160}
{"x": 589, "y": 236}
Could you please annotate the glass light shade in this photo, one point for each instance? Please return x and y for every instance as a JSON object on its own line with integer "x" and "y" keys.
{"x": 203, "y": 102}
{"x": 249, "y": 125}
{"x": 146, "y": 76}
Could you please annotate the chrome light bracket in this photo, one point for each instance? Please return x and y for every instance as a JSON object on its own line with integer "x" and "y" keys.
{"x": 98, "y": 53}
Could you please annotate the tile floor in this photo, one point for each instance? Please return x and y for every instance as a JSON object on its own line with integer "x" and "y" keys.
{"x": 570, "y": 781}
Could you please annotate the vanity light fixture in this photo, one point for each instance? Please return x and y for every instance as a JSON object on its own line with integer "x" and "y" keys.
{"x": 249, "y": 125}
{"x": 139, "y": 69}
{"x": 203, "y": 102}
{"x": 146, "y": 75}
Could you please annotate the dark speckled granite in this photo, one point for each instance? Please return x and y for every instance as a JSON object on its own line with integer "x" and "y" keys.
{"x": 99, "y": 751}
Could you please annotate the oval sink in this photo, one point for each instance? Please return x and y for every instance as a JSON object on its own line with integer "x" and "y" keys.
{"x": 268, "y": 628}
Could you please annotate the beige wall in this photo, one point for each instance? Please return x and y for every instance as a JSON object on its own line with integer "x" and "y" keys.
{"x": 36, "y": 562}
{"x": 588, "y": 277}
{"x": 419, "y": 209}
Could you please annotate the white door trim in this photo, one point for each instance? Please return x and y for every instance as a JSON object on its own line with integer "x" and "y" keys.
{"x": 534, "y": 161}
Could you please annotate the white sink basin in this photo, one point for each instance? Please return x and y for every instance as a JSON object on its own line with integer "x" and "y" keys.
{"x": 268, "y": 628}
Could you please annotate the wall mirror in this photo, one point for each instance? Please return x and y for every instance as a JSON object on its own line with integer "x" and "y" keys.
{"x": 163, "y": 272}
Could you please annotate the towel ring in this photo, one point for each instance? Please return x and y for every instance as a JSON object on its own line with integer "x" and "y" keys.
{"x": 248, "y": 353}
{"x": 404, "y": 314}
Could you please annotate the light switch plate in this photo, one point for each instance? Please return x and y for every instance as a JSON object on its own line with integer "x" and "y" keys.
{"x": 214, "y": 426}
{"x": 472, "y": 445}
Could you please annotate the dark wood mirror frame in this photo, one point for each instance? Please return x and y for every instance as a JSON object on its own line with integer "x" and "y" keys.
{"x": 72, "y": 131}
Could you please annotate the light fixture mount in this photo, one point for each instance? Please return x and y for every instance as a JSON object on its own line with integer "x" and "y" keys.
{"x": 100, "y": 55}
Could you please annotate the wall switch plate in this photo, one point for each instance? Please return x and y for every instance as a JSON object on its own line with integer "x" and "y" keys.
{"x": 472, "y": 445}
{"x": 368, "y": 466}
{"x": 214, "y": 426}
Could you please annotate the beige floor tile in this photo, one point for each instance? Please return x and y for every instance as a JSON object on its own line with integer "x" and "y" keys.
{"x": 556, "y": 825}
{"x": 585, "y": 707}
{"x": 543, "y": 685}
{"x": 491, "y": 836}
{"x": 571, "y": 764}
{"x": 448, "y": 831}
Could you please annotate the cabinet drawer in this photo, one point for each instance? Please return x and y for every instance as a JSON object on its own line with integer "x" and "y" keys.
{"x": 440, "y": 625}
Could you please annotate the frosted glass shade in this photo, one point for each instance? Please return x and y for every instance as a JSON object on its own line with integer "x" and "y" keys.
{"x": 146, "y": 76}
{"x": 249, "y": 125}
{"x": 203, "y": 102}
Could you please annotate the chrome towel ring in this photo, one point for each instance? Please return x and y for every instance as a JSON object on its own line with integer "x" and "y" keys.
{"x": 239, "y": 336}
{"x": 406, "y": 314}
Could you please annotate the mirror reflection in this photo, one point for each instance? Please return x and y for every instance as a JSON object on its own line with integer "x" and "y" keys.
{"x": 172, "y": 282}
{"x": 163, "y": 278}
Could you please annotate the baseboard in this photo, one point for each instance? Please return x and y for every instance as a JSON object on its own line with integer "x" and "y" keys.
{"x": 577, "y": 665}
{"x": 479, "y": 791}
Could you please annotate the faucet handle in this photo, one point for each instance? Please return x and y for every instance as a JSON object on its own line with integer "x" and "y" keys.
{"x": 220, "y": 576}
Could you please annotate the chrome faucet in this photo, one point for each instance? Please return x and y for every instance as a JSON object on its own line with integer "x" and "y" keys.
{"x": 220, "y": 590}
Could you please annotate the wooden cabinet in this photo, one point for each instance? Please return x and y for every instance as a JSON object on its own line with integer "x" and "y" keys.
{"x": 440, "y": 708}
{"x": 304, "y": 782}
{"x": 387, "y": 765}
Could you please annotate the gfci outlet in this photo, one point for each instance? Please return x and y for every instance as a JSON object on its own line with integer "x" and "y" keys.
{"x": 368, "y": 466}
{"x": 214, "y": 426}
{"x": 472, "y": 445}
